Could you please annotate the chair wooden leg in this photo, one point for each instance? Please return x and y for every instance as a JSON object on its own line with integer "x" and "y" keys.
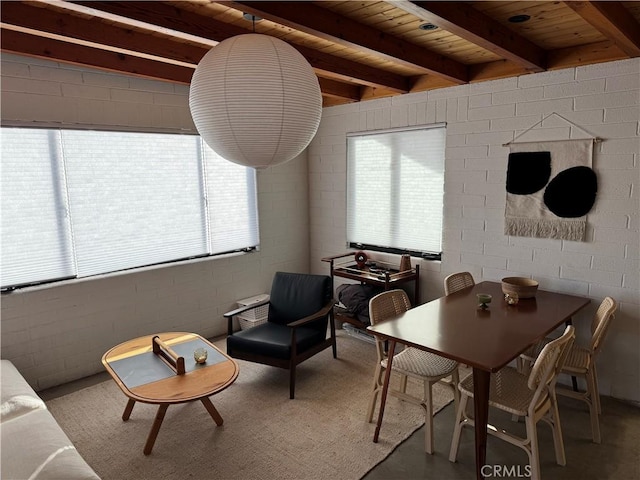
{"x": 593, "y": 407}
{"x": 596, "y": 393}
{"x": 534, "y": 458}
{"x": 558, "y": 442}
{"x": 455, "y": 380}
{"x": 455, "y": 440}
{"x": 292, "y": 381}
{"x": 428, "y": 418}
{"x": 403, "y": 384}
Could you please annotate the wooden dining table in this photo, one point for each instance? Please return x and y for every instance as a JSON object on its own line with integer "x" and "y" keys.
{"x": 485, "y": 339}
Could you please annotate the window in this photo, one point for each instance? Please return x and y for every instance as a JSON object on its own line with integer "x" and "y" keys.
{"x": 77, "y": 203}
{"x": 395, "y": 190}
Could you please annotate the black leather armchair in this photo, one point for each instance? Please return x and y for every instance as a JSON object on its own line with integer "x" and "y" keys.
{"x": 300, "y": 309}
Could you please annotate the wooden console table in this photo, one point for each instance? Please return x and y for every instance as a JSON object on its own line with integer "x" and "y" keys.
{"x": 375, "y": 272}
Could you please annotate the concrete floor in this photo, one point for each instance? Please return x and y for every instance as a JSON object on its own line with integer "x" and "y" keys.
{"x": 616, "y": 458}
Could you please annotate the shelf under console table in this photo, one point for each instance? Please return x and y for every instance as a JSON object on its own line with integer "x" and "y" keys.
{"x": 374, "y": 272}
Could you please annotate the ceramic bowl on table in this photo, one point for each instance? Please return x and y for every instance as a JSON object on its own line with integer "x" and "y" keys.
{"x": 483, "y": 299}
{"x": 523, "y": 287}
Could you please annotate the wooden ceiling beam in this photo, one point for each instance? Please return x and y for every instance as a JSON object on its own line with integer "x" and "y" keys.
{"x": 66, "y": 24}
{"x": 167, "y": 16}
{"x": 341, "y": 90}
{"x": 569, "y": 57}
{"x": 560, "y": 58}
{"x": 32, "y": 45}
{"x": 614, "y": 21}
{"x": 22, "y": 43}
{"x": 323, "y": 23}
{"x": 464, "y": 21}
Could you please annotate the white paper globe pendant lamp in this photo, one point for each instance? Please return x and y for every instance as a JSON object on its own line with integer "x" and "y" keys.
{"x": 255, "y": 100}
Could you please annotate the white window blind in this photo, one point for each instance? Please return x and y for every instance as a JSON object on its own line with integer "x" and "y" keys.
{"x": 36, "y": 237}
{"x": 395, "y": 189}
{"x": 233, "y": 204}
{"x": 135, "y": 200}
{"x": 82, "y": 203}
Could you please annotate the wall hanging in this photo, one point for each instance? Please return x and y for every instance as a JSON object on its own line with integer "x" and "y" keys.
{"x": 550, "y": 187}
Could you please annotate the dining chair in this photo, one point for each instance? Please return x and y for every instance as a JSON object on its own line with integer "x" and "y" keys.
{"x": 530, "y": 396}
{"x": 458, "y": 281}
{"x": 409, "y": 362}
{"x": 581, "y": 362}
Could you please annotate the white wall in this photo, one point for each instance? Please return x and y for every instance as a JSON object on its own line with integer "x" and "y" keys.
{"x": 602, "y": 99}
{"x": 59, "y": 333}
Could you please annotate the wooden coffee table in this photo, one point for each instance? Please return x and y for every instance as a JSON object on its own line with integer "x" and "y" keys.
{"x": 160, "y": 369}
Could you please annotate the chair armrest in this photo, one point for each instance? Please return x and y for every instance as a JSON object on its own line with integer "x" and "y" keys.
{"x": 240, "y": 310}
{"x": 328, "y": 308}
{"x": 229, "y": 315}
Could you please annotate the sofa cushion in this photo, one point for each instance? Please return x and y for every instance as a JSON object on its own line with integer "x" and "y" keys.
{"x": 19, "y": 405}
{"x": 13, "y": 383}
{"x": 35, "y": 447}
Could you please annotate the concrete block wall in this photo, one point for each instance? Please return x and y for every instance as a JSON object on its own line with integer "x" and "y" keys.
{"x": 602, "y": 99}
{"x": 58, "y": 333}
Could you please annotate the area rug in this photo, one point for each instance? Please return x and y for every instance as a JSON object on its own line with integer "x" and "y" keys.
{"x": 322, "y": 434}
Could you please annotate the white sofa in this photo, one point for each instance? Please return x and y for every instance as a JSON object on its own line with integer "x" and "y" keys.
{"x": 34, "y": 447}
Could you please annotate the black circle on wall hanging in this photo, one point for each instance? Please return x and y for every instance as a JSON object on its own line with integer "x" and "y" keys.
{"x": 572, "y": 192}
{"x": 528, "y": 172}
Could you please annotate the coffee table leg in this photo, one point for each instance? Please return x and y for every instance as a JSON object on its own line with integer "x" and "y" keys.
{"x": 157, "y": 423}
{"x": 127, "y": 410}
{"x": 212, "y": 410}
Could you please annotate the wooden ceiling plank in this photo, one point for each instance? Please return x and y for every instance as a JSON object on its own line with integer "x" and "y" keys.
{"x": 354, "y": 72}
{"x": 464, "y": 21}
{"x": 328, "y": 25}
{"x": 614, "y": 21}
{"x": 32, "y": 45}
{"x": 167, "y": 16}
{"x": 67, "y": 25}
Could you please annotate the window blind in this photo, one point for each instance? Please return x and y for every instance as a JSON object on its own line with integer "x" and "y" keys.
{"x": 82, "y": 202}
{"x": 395, "y": 189}
{"x": 135, "y": 199}
{"x": 36, "y": 235}
{"x": 232, "y": 204}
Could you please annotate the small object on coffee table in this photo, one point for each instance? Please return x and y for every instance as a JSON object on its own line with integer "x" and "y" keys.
{"x": 200, "y": 355}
